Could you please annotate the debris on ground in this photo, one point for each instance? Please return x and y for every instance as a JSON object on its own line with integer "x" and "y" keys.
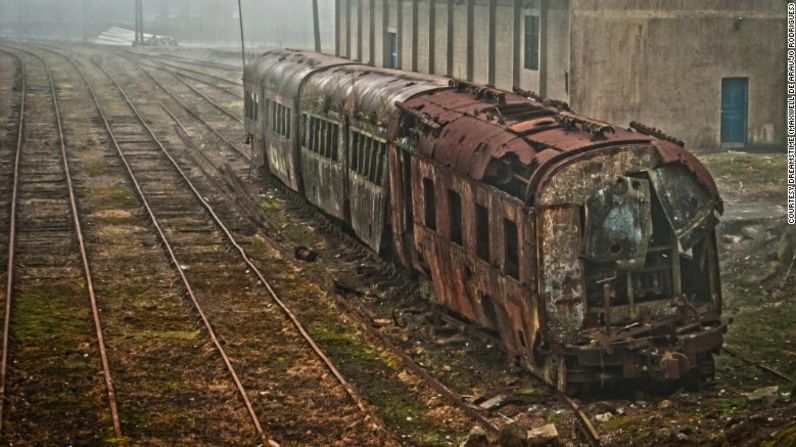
{"x": 476, "y": 438}
{"x": 306, "y": 254}
{"x": 766, "y": 394}
{"x": 543, "y": 436}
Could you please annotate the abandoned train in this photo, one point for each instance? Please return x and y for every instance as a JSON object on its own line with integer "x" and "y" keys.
{"x": 589, "y": 249}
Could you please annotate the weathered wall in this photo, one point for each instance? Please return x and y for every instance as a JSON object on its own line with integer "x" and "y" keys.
{"x": 556, "y": 16}
{"x": 661, "y": 62}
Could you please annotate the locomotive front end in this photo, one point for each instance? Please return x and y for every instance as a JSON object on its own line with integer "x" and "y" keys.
{"x": 629, "y": 274}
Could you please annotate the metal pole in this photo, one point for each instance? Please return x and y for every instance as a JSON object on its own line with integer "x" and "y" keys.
{"x": 316, "y": 26}
{"x": 85, "y": 19}
{"x": 242, "y": 44}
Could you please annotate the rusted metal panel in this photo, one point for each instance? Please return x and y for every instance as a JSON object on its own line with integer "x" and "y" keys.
{"x": 562, "y": 287}
{"x": 689, "y": 207}
{"x": 279, "y": 148}
{"x": 324, "y": 183}
{"x": 618, "y": 221}
{"x": 479, "y": 290}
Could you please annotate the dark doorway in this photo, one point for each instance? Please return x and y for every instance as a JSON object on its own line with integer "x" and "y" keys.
{"x": 734, "y": 100}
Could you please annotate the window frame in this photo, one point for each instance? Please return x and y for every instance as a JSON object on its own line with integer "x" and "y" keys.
{"x": 429, "y": 209}
{"x": 482, "y": 244}
{"x": 531, "y": 42}
{"x": 511, "y": 257}
{"x": 456, "y": 232}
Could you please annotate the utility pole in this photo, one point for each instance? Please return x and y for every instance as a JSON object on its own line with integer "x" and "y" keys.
{"x": 316, "y": 25}
{"x": 242, "y": 44}
{"x": 139, "y": 22}
{"x": 85, "y": 20}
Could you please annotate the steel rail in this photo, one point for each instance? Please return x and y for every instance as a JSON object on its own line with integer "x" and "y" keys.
{"x": 586, "y": 425}
{"x": 12, "y": 236}
{"x": 156, "y": 65}
{"x": 189, "y": 70}
{"x": 206, "y": 98}
{"x": 356, "y": 398}
{"x": 117, "y": 428}
{"x": 190, "y": 111}
{"x": 194, "y": 114}
{"x": 173, "y": 258}
{"x": 760, "y": 365}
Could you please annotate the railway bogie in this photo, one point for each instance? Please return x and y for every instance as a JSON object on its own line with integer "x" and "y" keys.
{"x": 588, "y": 249}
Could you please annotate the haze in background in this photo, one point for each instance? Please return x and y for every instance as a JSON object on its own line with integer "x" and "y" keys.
{"x": 267, "y": 23}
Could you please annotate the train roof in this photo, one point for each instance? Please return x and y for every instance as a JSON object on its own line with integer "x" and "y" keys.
{"x": 486, "y": 134}
{"x": 496, "y": 136}
{"x": 284, "y": 70}
{"x": 370, "y": 93}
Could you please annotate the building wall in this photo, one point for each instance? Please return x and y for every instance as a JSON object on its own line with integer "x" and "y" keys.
{"x": 477, "y": 70}
{"x": 661, "y": 62}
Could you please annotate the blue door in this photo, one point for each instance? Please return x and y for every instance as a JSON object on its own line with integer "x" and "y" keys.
{"x": 733, "y": 110}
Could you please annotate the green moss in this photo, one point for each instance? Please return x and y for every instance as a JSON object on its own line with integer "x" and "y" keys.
{"x": 95, "y": 167}
{"x": 111, "y": 196}
{"x": 343, "y": 341}
{"x": 783, "y": 438}
{"x": 38, "y": 314}
{"x": 760, "y": 174}
{"x": 728, "y": 405}
{"x": 270, "y": 204}
{"x": 166, "y": 335}
{"x": 374, "y": 373}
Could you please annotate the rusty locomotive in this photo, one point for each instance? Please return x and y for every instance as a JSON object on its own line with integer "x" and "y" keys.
{"x": 589, "y": 249}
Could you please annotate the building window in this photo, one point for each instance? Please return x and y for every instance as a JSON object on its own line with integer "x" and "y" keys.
{"x": 482, "y": 232}
{"x": 512, "y": 259}
{"x": 392, "y": 50}
{"x": 430, "y": 204}
{"x": 532, "y": 42}
{"x": 455, "y": 211}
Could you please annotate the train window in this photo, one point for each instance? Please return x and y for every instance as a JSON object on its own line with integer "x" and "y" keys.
{"x": 512, "y": 259}
{"x": 320, "y": 136}
{"x": 429, "y": 203}
{"x": 367, "y": 155}
{"x": 455, "y": 211}
{"x": 274, "y": 115}
{"x": 482, "y": 232}
{"x": 280, "y": 122}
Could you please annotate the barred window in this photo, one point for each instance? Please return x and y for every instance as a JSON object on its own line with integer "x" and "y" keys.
{"x": 320, "y": 136}
{"x": 280, "y": 119}
{"x": 367, "y": 156}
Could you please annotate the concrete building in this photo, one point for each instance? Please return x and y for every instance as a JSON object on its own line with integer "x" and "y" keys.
{"x": 710, "y": 72}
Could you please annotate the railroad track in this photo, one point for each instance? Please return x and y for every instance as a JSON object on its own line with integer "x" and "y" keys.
{"x": 207, "y": 265}
{"x": 44, "y": 209}
{"x": 388, "y": 276}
